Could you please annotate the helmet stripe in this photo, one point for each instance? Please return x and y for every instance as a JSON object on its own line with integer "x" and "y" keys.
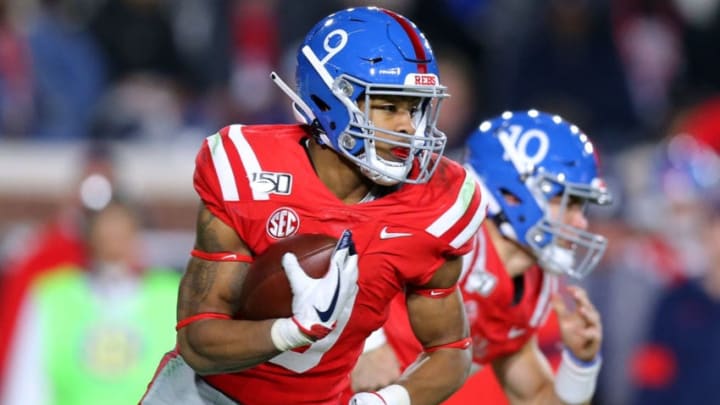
{"x": 414, "y": 39}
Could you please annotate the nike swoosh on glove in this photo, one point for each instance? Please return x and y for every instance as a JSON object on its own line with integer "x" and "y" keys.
{"x": 391, "y": 395}
{"x": 317, "y": 303}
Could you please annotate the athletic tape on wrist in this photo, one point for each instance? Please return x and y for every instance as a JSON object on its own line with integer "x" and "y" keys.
{"x": 395, "y": 395}
{"x": 286, "y": 335}
{"x": 576, "y": 379}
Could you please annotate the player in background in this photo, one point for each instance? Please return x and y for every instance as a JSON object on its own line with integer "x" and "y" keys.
{"x": 365, "y": 165}
{"x": 539, "y": 172}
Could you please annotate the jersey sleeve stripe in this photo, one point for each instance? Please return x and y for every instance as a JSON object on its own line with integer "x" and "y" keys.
{"x": 472, "y": 227}
{"x": 221, "y": 162}
{"x": 476, "y": 258}
{"x": 248, "y": 159}
{"x": 493, "y": 206}
{"x": 457, "y": 210}
{"x": 542, "y": 306}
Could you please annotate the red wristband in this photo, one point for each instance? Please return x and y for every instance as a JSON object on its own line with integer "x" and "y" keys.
{"x": 198, "y": 317}
{"x": 221, "y": 256}
{"x": 435, "y": 292}
{"x": 461, "y": 344}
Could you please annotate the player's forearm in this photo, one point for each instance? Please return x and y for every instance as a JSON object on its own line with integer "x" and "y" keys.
{"x": 219, "y": 346}
{"x": 529, "y": 384}
{"x": 526, "y": 379}
{"x": 436, "y": 376}
{"x": 545, "y": 395}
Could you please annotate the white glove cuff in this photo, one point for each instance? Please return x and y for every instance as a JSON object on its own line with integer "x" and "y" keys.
{"x": 286, "y": 335}
{"x": 575, "y": 380}
{"x": 395, "y": 395}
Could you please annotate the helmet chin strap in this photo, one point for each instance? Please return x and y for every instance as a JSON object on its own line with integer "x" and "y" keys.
{"x": 556, "y": 259}
{"x": 379, "y": 170}
{"x": 378, "y": 178}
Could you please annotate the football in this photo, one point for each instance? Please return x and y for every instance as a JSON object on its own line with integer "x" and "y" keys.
{"x": 266, "y": 293}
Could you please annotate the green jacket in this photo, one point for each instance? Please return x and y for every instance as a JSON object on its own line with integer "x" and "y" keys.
{"x": 103, "y": 349}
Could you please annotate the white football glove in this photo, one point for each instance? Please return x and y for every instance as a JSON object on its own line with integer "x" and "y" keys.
{"x": 317, "y": 303}
{"x": 391, "y": 395}
{"x": 367, "y": 398}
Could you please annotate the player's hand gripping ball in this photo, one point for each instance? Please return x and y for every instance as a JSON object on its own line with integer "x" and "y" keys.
{"x": 266, "y": 291}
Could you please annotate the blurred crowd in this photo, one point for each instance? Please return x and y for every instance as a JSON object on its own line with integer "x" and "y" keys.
{"x": 641, "y": 77}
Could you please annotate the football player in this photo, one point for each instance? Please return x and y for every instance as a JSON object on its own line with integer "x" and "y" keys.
{"x": 538, "y": 172}
{"x": 364, "y": 165}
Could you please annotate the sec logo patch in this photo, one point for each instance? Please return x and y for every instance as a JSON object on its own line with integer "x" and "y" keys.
{"x": 282, "y": 223}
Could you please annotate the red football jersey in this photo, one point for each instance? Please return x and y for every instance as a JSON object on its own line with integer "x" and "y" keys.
{"x": 259, "y": 180}
{"x": 500, "y": 322}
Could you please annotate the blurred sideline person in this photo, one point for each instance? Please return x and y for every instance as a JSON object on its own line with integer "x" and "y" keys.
{"x": 365, "y": 166}
{"x": 677, "y": 363}
{"x": 92, "y": 336}
{"x": 539, "y": 173}
{"x": 61, "y": 241}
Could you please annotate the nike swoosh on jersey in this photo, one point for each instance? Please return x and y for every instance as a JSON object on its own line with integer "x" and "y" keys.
{"x": 325, "y": 315}
{"x": 384, "y": 234}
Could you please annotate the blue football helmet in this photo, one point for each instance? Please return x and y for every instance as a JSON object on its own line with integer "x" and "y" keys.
{"x": 523, "y": 159}
{"x": 366, "y": 52}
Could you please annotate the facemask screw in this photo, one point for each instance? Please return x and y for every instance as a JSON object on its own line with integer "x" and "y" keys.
{"x": 345, "y": 87}
{"x": 545, "y": 186}
{"x": 347, "y": 141}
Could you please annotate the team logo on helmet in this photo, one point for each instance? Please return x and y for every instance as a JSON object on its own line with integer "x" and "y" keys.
{"x": 424, "y": 79}
{"x": 283, "y": 222}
